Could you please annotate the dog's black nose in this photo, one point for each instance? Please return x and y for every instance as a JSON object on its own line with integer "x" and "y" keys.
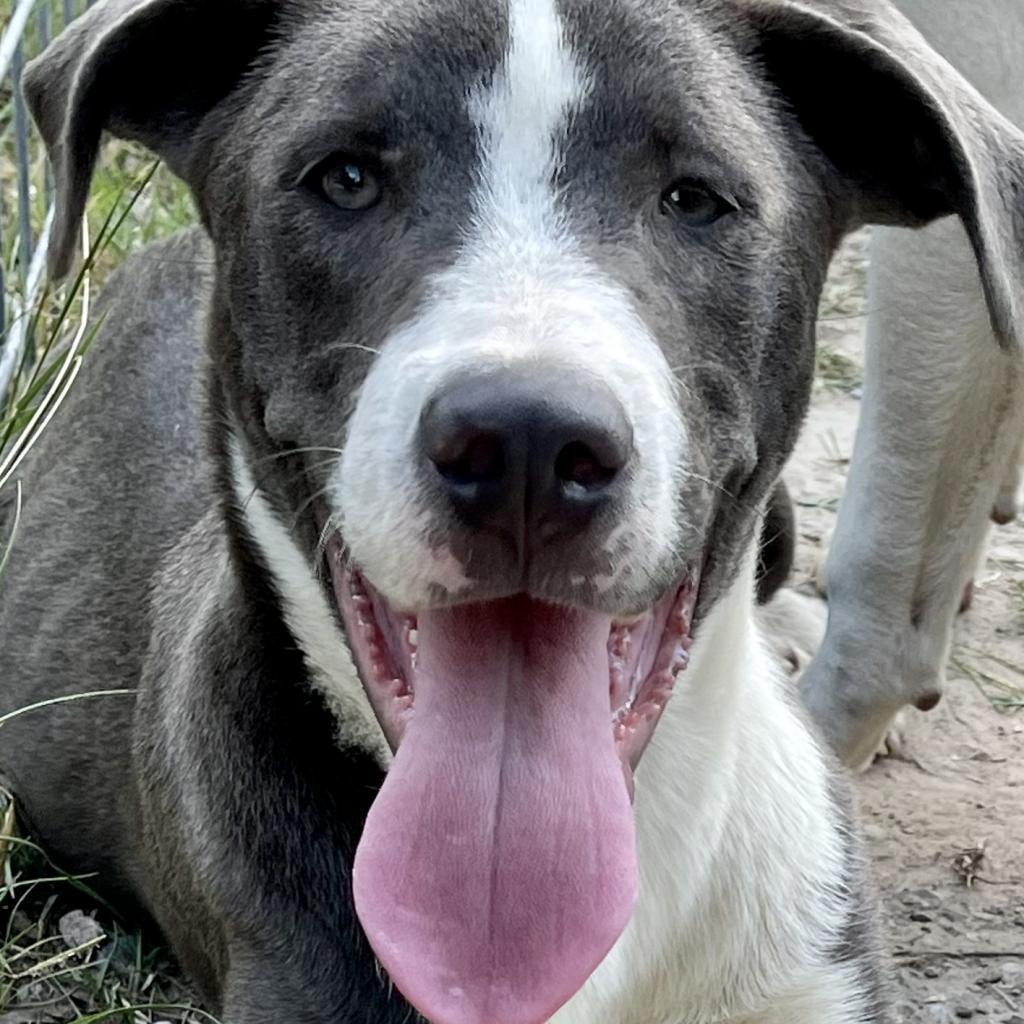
{"x": 529, "y": 453}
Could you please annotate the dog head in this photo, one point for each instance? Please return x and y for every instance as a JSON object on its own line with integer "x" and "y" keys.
{"x": 541, "y": 276}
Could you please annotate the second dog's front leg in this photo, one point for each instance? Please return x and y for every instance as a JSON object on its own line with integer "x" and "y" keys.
{"x": 1007, "y": 506}
{"x": 942, "y": 413}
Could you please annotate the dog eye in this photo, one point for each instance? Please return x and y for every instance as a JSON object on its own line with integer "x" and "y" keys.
{"x": 695, "y": 204}
{"x": 348, "y": 183}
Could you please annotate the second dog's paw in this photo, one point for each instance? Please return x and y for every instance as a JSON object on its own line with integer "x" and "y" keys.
{"x": 895, "y": 741}
{"x": 892, "y": 742}
{"x": 1005, "y": 509}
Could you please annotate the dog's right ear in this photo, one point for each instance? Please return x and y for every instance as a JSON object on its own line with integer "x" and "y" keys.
{"x": 148, "y": 70}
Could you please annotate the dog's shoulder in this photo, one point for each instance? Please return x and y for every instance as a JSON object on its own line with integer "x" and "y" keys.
{"x": 156, "y": 297}
{"x": 120, "y": 473}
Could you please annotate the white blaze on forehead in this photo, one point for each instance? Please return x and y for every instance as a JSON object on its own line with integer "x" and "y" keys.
{"x": 522, "y": 112}
{"x": 520, "y": 289}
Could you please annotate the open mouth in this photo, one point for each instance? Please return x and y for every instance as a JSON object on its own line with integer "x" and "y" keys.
{"x": 497, "y": 865}
{"x": 646, "y": 654}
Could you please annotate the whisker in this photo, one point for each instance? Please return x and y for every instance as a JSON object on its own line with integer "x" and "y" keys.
{"x": 305, "y": 505}
{"x": 320, "y": 550}
{"x": 258, "y": 482}
{"x": 329, "y": 530}
{"x": 298, "y": 451}
{"x": 357, "y": 347}
{"x": 312, "y": 467}
{"x": 682, "y": 381}
{"x": 711, "y": 483}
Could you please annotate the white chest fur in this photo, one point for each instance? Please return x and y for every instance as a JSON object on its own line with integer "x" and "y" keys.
{"x": 740, "y": 853}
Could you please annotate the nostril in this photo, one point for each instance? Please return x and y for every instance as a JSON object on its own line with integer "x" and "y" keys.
{"x": 474, "y": 460}
{"x": 579, "y": 465}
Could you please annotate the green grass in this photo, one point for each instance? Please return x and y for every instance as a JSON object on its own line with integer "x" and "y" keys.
{"x": 999, "y": 681}
{"x": 47, "y": 972}
{"x": 64, "y": 957}
{"x": 59, "y": 324}
{"x": 1017, "y": 594}
{"x": 837, "y": 372}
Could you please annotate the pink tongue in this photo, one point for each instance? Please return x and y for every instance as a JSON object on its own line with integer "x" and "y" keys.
{"x": 497, "y": 866}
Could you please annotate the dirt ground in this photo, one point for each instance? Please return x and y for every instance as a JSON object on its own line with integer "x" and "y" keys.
{"x": 945, "y": 820}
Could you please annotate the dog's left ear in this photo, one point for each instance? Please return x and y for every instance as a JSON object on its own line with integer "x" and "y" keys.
{"x": 907, "y": 139}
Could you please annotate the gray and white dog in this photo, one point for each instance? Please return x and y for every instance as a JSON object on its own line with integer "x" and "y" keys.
{"x": 404, "y": 490}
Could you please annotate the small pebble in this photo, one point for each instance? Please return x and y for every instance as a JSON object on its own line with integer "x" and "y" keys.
{"x": 77, "y": 928}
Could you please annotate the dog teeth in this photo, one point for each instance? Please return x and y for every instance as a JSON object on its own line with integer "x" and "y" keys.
{"x": 681, "y": 660}
{"x": 626, "y": 709}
